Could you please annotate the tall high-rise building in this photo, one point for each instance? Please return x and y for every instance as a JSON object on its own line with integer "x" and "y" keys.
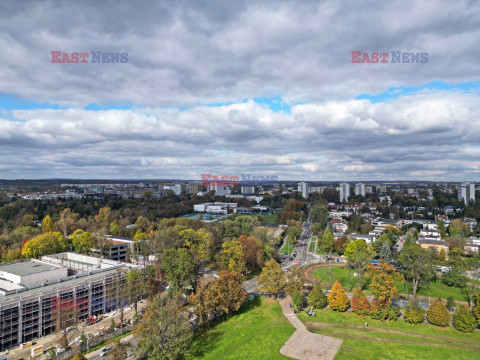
{"x": 248, "y": 189}
{"x": 344, "y": 191}
{"x": 466, "y": 192}
{"x": 360, "y": 189}
{"x": 304, "y": 189}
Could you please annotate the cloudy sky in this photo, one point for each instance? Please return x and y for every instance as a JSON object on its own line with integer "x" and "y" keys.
{"x": 231, "y": 87}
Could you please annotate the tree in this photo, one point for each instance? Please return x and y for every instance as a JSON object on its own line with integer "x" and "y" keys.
{"x": 341, "y": 245}
{"x": 135, "y": 286}
{"x": 298, "y": 299}
{"x": 67, "y": 218}
{"x": 44, "y": 244}
{"x": 442, "y": 229}
{"x": 179, "y": 269}
{"x": 82, "y": 241}
{"x": 458, "y": 227}
{"x": 328, "y": 241}
{"x": 294, "y": 280}
{"x": 119, "y": 350}
{"x": 359, "y": 256}
{"x": 360, "y": 303}
{"x": 228, "y": 292}
{"x": 383, "y": 288}
{"x": 47, "y": 224}
{"x": 272, "y": 278}
{"x": 164, "y": 333}
{"x": 317, "y": 298}
{"x": 102, "y": 220}
{"x": 414, "y": 260}
{"x": 438, "y": 315}
{"x": 319, "y": 215}
{"x": 252, "y": 252}
{"x": 463, "y": 320}
{"x": 76, "y": 357}
{"x": 337, "y": 300}
{"x": 232, "y": 256}
{"x": 385, "y": 253}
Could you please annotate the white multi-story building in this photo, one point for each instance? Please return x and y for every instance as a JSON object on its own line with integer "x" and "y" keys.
{"x": 466, "y": 192}
{"x": 220, "y": 190}
{"x": 303, "y": 188}
{"x": 248, "y": 189}
{"x": 344, "y": 191}
{"x": 360, "y": 189}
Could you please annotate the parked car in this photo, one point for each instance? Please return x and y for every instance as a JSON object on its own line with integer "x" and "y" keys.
{"x": 105, "y": 351}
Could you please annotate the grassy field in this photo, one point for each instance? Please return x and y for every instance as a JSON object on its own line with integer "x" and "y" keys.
{"x": 311, "y": 247}
{"x": 288, "y": 247}
{"x": 435, "y": 289}
{"x": 257, "y": 331}
{"x": 392, "y": 340}
{"x": 269, "y": 219}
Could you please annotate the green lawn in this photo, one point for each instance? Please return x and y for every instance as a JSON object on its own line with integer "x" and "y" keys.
{"x": 392, "y": 340}
{"x": 257, "y": 331}
{"x": 434, "y": 290}
{"x": 311, "y": 247}
{"x": 288, "y": 247}
{"x": 269, "y": 219}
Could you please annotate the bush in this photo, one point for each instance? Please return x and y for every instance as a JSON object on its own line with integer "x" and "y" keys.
{"x": 317, "y": 298}
{"x": 360, "y": 303}
{"x": 476, "y": 306}
{"x": 463, "y": 320}
{"x": 337, "y": 299}
{"x": 455, "y": 279}
{"x": 414, "y": 314}
{"x": 383, "y": 311}
{"x": 437, "y": 314}
{"x": 450, "y": 303}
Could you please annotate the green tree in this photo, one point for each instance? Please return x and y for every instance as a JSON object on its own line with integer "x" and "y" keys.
{"x": 414, "y": 260}
{"x": 385, "y": 253}
{"x": 317, "y": 298}
{"x": 438, "y": 315}
{"x": 119, "y": 349}
{"x": 359, "y": 256}
{"x": 164, "y": 332}
{"x": 458, "y": 227}
{"x": 328, "y": 241}
{"x": 442, "y": 229}
{"x": 463, "y": 320}
{"x": 179, "y": 269}
{"x": 82, "y": 241}
{"x": 319, "y": 215}
{"x": 272, "y": 278}
{"x": 135, "y": 286}
{"x": 298, "y": 299}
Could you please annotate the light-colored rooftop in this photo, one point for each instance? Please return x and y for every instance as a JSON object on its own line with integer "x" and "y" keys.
{"x": 26, "y": 267}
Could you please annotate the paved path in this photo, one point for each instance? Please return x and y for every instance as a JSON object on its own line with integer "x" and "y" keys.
{"x": 303, "y": 344}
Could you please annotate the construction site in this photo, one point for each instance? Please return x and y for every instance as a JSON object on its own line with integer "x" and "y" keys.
{"x": 38, "y": 297}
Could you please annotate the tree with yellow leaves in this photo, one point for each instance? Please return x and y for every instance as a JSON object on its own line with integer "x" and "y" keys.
{"x": 337, "y": 299}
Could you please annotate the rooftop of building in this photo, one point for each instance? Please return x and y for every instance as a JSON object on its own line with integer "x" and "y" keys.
{"x": 26, "y": 267}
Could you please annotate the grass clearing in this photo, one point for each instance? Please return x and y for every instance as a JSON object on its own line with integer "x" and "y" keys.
{"x": 434, "y": 290}
{"x": 288, "y": 247}
{"x": 392, "y": 340}
{"x": 311, "y": 247}
{"x": 257, "y": 332}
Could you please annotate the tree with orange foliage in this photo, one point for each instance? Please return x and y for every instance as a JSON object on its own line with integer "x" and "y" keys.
{"x": 252, "y": 252}
{"x": 337, "y": 299}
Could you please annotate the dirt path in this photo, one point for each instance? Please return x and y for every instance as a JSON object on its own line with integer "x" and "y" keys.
{"x": 303, "y": 344}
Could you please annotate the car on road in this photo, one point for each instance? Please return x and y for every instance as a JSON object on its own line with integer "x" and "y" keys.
{"x": 105, "y": 351}
{"x": 291, "y": 258}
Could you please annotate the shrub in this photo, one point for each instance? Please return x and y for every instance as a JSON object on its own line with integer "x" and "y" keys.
{"x": 317, "y": 298}
{"x": 463, "y": 320}
{"x": 455, "y": 279}
{"x": 360, "y": 303}
{"x": 476, "y": 306}
{"x": 414, "y": 314}
{"x": 437, "y": 314}
{"x": 450, "y": 303}
{"x": 383, "y": 311}
{"x": 337, "y": 299}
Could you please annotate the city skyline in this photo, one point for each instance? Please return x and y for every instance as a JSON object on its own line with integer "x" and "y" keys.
{"x": 234, "y": 86}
